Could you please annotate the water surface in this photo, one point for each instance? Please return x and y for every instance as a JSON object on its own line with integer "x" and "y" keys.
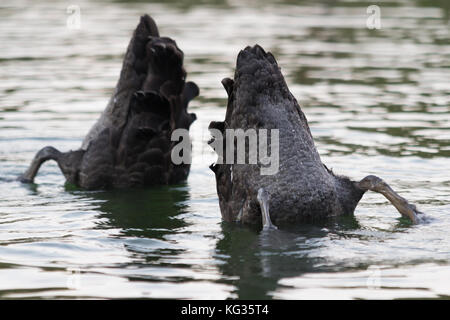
{"x": 377, "y": 101}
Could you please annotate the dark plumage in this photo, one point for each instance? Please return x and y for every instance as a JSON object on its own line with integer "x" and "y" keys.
{"x": 130, "y": 144}
{"x": 303, "y": 190}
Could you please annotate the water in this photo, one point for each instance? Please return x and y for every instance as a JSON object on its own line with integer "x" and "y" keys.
{"x": 378, "y": 102}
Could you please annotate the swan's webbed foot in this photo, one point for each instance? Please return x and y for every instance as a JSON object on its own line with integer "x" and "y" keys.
{"x": 263, "y": 199}
{"x": 24, "y": 178}
{"x": 47, "y": 153}
{"x": 377, "y": 184}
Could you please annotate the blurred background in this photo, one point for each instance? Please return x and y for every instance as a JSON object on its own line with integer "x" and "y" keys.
{"x": 373, "y": 82}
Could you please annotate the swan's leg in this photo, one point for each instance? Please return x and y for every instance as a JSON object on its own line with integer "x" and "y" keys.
{"x": 47, "y": 153}
{"x": 377, "y": 184}
{"x": 263, "y": 199}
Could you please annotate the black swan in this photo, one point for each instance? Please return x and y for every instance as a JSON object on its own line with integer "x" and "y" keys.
{"x": 130, "y": 144}
{"x": 303, "y": 189}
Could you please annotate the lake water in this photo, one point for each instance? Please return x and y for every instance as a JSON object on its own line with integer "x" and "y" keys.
{"x": 378, "y": 102}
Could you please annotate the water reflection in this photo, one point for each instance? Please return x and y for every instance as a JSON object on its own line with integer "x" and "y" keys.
{"x": 149, "y": 213}
{"x": 144, "y": 219}
{"x": 258, "y": 260}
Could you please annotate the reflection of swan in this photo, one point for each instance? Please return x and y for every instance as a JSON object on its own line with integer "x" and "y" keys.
{"x": 149, "y": 213}
{"x": 303, "y": 189}
{"x": 130, "y": 145}
{"x": 143, "y": 222}
{"x": 255, "y": 262}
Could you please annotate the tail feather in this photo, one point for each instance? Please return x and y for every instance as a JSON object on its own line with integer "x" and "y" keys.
{"x": 130, "y": 144}
{"x": 132, "y": 78}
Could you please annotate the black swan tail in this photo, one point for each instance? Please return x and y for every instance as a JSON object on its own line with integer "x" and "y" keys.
{"x": 149, "y": 104}
{"x": 130, "y": 144}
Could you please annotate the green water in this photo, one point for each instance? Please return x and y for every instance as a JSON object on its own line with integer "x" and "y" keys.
{"x": 377, "y": 101}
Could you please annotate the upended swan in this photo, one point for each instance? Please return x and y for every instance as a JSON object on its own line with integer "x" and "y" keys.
{"x": 130, "y": 144}
{"x": 303, "y": 189}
